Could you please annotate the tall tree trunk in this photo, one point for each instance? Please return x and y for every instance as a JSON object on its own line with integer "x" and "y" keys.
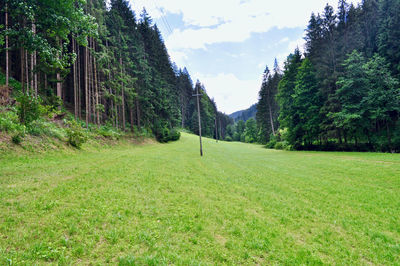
{"x": 131, "y": 118}
{"x": 78, "y": 95}
{"x": 7, "y": 61}
{"x": 74, "y": 79}
{"x": 45, "y": 82}
{"x": 31, "y": 75}
{"x": 183, "y": 115}
{"x": 110, "y": 89}
{"x": 86, "y": 88}
{"x": 22, "y": 69}
{"x": 96, "y": 87}
{"x": 58, "y": 76}
{"x": 271, "y": 119}
{"x": 26, "y": 71}
{"x": 221, "y": 134}
{"x": 137, "y": 111}
{"x": 389, "y": 137}
{"x": 122, "y": 95}
{"x": 216, "y": 128}
{"x": 89, "y": 68}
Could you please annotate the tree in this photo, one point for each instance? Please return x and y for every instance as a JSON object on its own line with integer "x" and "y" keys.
{"x": 352, "y": 88}
{"x": 382, "y": 102}
{"x": 250, "y": 131}
{"x": 306, "y": 105}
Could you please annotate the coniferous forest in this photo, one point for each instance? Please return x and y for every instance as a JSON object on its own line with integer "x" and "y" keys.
{"x": 343, "y": 92}
{"x": 101, "y": 63}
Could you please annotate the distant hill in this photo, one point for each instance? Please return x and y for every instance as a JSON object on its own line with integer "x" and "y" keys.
{"x": 245, "y": 114}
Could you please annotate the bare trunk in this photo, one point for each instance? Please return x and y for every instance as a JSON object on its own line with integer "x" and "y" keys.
{"x": 220, "y": 130}
{"x": 90, "y": 80}
{"x": 23, "y": 69}
{"x": 96, "y": 88}
{"x": 74, "y": 80}
{"x": 137, "y": 111}
{"x": 110, "y": 89}
{"x": 271, "y": 119}
{"x": 26, "y": 71}
{"x": 131, "y": 118}
{"x": 216, "y": 129}
{"x": 31, "y": 74}
{"x": 58, "y": 77}
{"x": 86, "y": 88}
{"x": 45, "y": 82}
{"x": 389, "y": 137}
{"x": 7, "y": 61}
{"x": 78, "y": 94}
{"x": 122, "y": 95}
{"x": 183, "y": 116}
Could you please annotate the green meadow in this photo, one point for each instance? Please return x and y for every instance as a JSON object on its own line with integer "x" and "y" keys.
{"x": 155, "y": 204}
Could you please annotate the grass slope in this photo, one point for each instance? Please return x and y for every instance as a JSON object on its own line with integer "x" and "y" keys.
{"x": 162, "y": 203}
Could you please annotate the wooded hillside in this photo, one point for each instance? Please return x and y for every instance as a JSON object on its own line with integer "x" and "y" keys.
{"x": 101, "y": 63}
{"x": 344, "y": 91}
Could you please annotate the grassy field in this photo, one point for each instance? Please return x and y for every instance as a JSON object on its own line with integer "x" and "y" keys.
{"x": 163, "y": 204}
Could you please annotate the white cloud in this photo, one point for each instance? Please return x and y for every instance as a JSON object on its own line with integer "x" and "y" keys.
{"x": 286, "y": 39}
{"x": 209, "y": 22}
{"x": 230, "y": 93}
{"x": 232, "y": 20}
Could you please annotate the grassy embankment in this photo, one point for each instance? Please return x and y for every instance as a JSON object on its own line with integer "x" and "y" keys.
{"x": 162, "y": 203}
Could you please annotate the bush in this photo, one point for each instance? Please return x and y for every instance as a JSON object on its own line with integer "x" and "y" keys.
{"x": 236, "y": 136}
{"x": 28, "y": 108}
{"x": 174, "y": 135}
{"x": 282, "y": 145}
{"x": 228, "y": 138}
{"x": 9, "y": 121}
{"x": 271, "y": 144}
{"x": 17, "y": 138}
{"x": 163, "y": 134}
{"x": 76, "y": 135}
{"x": 42, "y": 127}
{"x": 108, "y": 131}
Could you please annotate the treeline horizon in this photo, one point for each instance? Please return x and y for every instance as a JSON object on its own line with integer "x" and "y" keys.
{"x": 102, "y": 64}
{"x": 343, "y": 92}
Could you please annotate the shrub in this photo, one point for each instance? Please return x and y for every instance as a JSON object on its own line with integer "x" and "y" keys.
{"x": 17, "y": 138}
{"x": 108, "y": 131}
{"x": 161, "y": 131}
{"x": 42, "y": 127}
{"x": 174, "y": 135}
{"x": 9, "y": 121}
{"x": 282, "y": 145}
{"x": 28, "y": 108}
{"x": 228, "y": 138}
{"x": 163, "y": 134}
{"x": 76, "y": 135}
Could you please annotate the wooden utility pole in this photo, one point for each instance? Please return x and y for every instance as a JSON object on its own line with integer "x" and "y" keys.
{"x": 199, "y": 118}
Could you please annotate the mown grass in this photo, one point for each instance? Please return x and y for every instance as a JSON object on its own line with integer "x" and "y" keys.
{"x": 163, "y": 204}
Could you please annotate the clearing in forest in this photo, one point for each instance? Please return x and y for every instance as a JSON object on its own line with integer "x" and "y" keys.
{"x": 163, "y": 204}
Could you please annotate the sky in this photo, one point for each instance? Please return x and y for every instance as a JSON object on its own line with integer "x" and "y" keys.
{"x": 226, "y": 44}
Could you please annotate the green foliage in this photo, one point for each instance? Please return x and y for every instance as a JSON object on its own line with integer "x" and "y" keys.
{"x": 9, "y": 121}
{"x": 18, "y": 138}
{"x": 164, "y": 134}
{"x": 108, "y": 131}
{"x": 250, "y": 132}
{"x": 174, "y": 135}
{"x": 76, "y": 134}
{"x": 42, "y": 127}
{"x": 228, "y": 138}
{"x": 28, "y": 108}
